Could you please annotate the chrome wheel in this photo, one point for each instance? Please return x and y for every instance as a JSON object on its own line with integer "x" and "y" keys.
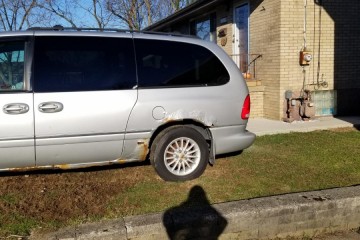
{"x": 182, "y": 156}
{"x": 179, "y": 153}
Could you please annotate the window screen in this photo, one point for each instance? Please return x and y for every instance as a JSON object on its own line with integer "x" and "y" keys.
{"x": 83, "y": 64}
{"x": 171, "y": 64}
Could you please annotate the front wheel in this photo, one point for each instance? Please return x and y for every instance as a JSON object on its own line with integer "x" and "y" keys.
{"x": 179, "y": 154}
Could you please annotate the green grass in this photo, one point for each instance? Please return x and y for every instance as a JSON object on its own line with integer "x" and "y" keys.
{"x": 20, "y": 225}
{"x": 274, "y": 164}
{"x": 9, "y": 199}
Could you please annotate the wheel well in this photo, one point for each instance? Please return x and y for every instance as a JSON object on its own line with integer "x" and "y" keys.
{"x": 189, "y": 123}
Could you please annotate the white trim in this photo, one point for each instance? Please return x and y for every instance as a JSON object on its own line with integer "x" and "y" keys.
{"x": 235, "y": 30}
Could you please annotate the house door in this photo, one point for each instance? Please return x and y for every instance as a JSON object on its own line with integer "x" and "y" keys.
{"x": 241, "y": 35}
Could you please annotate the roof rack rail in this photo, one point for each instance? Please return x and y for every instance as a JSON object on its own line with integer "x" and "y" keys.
{"x": 61, "y": 28}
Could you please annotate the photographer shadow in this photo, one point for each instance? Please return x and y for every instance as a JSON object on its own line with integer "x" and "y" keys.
{"x": 194, "y": 219}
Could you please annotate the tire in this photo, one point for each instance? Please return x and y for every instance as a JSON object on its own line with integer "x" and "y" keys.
{"x": 179, "y": 154}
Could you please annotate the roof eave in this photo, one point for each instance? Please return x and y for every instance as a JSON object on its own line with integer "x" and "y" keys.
{"x": 192, "y": 8}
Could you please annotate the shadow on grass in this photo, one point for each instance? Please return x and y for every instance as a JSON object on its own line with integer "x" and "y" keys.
{"x": 194, "y": 219}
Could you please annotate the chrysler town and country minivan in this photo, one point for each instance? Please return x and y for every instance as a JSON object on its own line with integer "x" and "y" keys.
{"x": 73, "y": 98}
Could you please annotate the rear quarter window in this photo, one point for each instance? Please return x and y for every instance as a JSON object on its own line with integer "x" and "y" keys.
{"x": 171, "y": 64}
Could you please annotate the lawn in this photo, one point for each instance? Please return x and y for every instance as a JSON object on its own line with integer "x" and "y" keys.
{"x": 275, "y": 164}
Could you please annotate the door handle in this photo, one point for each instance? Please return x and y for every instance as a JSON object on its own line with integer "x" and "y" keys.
{"x": 16, "y": 108}
{"x": 51, "y": 107}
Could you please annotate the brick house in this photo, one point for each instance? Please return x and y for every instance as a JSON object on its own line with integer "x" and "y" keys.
{"x": 271, "y": 40}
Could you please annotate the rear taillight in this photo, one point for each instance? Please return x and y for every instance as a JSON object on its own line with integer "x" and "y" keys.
{"x": 245, "y": 113}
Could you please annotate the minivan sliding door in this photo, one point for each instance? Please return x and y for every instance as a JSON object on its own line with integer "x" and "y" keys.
{"x": 83, "y": 97}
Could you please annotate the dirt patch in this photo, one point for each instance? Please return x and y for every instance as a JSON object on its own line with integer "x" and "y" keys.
{"x": 60, "y": 197}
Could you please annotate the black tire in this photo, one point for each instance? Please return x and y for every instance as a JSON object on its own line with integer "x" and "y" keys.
{"x": 179, "y": 163}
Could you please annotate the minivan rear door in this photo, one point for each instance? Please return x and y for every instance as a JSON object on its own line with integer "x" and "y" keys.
{"x": 16, "y": 102}
{"x": 84, "y": 92}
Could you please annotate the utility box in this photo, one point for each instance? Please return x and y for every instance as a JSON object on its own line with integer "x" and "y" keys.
{"x": 305, "y": 57}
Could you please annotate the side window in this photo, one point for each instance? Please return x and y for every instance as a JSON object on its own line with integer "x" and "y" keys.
{"x": 12, "y": 66}
{"x": 65, "y": 64}
{"x": 170, "y": 64}
{"x": 204, "y": 28}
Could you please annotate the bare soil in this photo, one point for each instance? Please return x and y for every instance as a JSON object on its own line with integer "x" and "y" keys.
{"x": 58, "y": 197}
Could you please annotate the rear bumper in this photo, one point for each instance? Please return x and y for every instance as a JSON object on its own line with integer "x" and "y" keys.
{"x": 231, "y": 139}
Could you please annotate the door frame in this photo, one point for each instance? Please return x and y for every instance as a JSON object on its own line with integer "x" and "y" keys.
{"x": 236, "y": 32}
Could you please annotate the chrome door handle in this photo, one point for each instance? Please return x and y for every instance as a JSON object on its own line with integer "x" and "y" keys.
{"x": 16, "y": 108}
{"x": 51, "y": 107}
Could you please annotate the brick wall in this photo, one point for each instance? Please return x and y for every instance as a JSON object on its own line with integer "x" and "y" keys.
{"x": 257, "y": 101}
{"x": 296, "y": 17}
{"x": 277, "y": 32}
{"x": 265, "y": 39}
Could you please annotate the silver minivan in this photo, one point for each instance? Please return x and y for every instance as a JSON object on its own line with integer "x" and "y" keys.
{"x": 73, "y": 98}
